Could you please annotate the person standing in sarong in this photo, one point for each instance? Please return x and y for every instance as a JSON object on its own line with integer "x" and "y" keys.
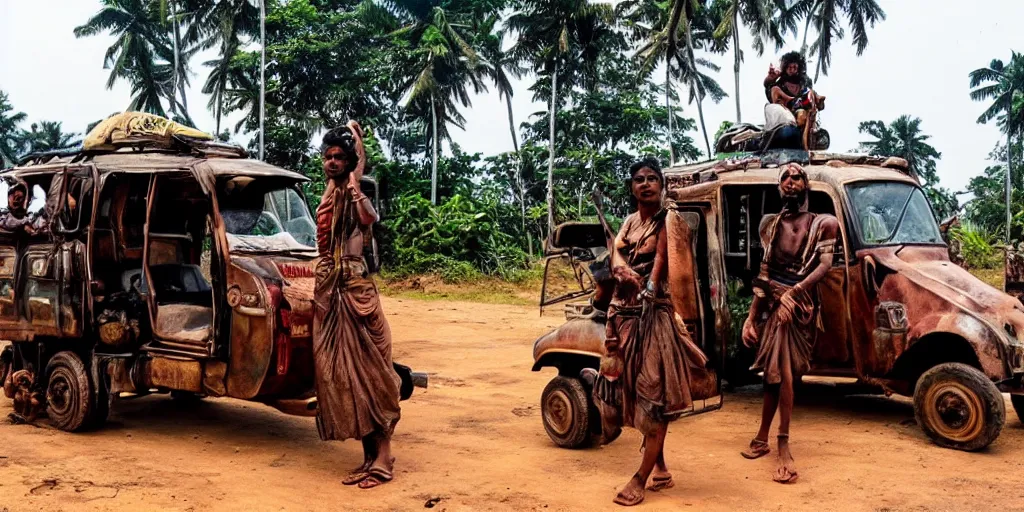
{"x": 644, "y": 381}
{"x": 798, "y": 250}
{"x": 356, "y": 384}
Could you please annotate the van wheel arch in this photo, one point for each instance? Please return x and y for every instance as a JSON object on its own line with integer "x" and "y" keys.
{"x": 929, "y": 351}
{"x": 568, "y": 364}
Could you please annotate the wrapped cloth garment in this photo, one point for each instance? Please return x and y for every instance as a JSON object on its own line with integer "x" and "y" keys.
{"x": 660, "y": 361}
{"x": 356, "y": 385}
{"x": 789, "y": 345}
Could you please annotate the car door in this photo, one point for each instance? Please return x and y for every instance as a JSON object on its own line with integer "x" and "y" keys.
{"x": 690, "y": 286}
{"x": 245, "y": 314}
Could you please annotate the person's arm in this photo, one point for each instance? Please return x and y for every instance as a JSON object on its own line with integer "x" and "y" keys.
{"x": 779, "y": 97}
{"x": 620, "y": 266}
{"x": 365, "y": 212}
{"x": 830, "y": 231}
{"x": 757, "y": 308}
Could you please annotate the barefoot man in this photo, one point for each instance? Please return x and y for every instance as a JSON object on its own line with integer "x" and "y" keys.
{"x": 645, "y": 378}
{"x": 357, "y": 386}
{"x": 798, "y": 247}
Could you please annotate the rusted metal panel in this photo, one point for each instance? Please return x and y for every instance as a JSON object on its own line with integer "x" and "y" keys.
{"x": 214, "y": 373}
{"x": 580, "y": 336}
{"x": 164, "y": 372}
{"x": 252, "y": 335}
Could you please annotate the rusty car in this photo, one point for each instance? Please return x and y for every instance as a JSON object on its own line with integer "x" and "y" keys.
{"x": 896, "y": 314}
{"x": 172, "y": 264}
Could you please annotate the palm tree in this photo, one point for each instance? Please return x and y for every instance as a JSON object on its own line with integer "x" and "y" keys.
{"x": 824, "y": 16}
{"x": 903, "y": 138}
{"x": 139, "y": 43}
{"x": 222, "y": 23}
{"x": 1003, "y": 84}
{"x": 9, "y": 140}
{"x": 558, "y": 37}
{"x": 47, "y": 136}
{"x": 501, "y": 67}
{"x": 762, "y": 17}
{"x": 444, "y": 64}
{"x": 697, "y": 30}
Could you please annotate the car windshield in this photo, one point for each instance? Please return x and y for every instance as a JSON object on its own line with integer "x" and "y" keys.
{"x": 268, "y": 220}
{"x": 893, "y": 213}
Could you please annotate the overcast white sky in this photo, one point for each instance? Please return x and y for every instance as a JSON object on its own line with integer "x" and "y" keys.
{"x": 916, "y": 63}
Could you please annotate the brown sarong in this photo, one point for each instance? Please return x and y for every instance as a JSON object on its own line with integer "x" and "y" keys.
{"x": 660, "y": 361}
{"x": 786, "y": 345}
{"x": 356, "y": 385}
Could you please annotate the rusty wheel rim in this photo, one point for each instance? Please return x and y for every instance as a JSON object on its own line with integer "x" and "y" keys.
{"x": 954, "y": 411}
{"x": 558, "y": 412}
{"x": 59, "y": 396}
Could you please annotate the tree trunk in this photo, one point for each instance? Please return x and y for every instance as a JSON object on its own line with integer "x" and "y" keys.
{"x": 433, "y": 158}
{"x": 668, "y": 106}
{"x": 263, "y": 65}
{"x": 220, "y": 106}
{"x": 551, "y": 152}
{"x": 174, "y": 70}
{"x": 519, "y": 172}
{"x": 738, "y": 58}
{"x": 695, "y": 87}
{"x": 807, "y": 30}
{"x": 512, "y": 124}
{"x": 1009, "y": 174}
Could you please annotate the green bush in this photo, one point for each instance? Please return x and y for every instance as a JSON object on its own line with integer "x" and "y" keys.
{"x": 459, "y": 240}
{"x": 977, "y": 246}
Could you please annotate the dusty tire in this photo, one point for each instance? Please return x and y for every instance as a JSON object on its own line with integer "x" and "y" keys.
{"x": 71, "y": 398}
{"x": 958, "y": 407}
{"x": 565, "y": 411}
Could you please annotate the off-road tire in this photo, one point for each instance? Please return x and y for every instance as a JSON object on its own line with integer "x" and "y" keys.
{"x": 73, "y": 403}
{"x": 958, "y": 407}
{"x": 565, "y": 410}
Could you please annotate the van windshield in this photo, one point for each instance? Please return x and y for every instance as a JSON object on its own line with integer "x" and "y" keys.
{"x": 892, "y": 213}
{"x": 268, "y": 220}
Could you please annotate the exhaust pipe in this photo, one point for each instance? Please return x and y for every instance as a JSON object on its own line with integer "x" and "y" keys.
{"x": 419, "y": 379}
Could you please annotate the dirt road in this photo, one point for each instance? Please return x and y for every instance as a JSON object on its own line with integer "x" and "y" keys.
{"x": 475, "y": 440}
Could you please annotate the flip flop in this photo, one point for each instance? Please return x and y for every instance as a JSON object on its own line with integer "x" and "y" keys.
{"x": 625, "y": 501}
{"x": 355, "y": 477}
{"x": 758, "y": 449}
{"x": 658, "y": 484}
{"x": 376, "y": 477}
{"x": 788, "y": 477}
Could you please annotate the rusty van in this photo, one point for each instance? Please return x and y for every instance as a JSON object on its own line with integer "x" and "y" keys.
{"x": 172, "y": 264}
{"x": 897, "y": 315}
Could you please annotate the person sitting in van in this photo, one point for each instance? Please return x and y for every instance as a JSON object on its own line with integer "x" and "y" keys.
{"x": 16, "y": 217}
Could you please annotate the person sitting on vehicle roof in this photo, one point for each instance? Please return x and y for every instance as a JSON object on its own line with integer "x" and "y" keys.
{"x": 16, "y": 217}
{"x": 790, "y": 87}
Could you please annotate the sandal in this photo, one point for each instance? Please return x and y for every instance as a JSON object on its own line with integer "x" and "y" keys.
{"x": 758, "y": 449}
{"x": 661, "y": 483}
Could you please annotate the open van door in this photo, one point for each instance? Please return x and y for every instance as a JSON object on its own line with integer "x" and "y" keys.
{"x": 688, "y": 271}
{"x": 180, "y": 299}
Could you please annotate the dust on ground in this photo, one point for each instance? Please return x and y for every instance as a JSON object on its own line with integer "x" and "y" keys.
{"x": 474, "y": 441}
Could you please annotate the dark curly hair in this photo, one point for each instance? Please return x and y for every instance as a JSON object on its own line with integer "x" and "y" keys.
{"x": 799, "y": 60}
{"x": 342, "y": 138}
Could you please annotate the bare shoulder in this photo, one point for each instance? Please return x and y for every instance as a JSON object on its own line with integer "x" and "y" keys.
{"x": 829, "y": 224}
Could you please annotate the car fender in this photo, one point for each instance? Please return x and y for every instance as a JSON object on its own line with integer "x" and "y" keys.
{"x": 577, "y": 339}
